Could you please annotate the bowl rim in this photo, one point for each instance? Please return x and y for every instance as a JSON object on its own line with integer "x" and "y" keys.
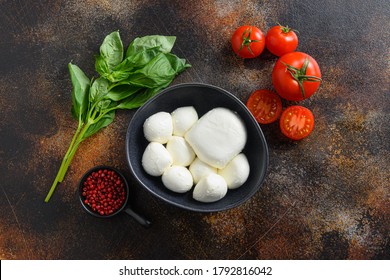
{"x": 186, "y": 207}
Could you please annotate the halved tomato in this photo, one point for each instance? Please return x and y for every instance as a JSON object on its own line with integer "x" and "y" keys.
{"x": 265, "y": 106}
{"x": 296, "y": 122}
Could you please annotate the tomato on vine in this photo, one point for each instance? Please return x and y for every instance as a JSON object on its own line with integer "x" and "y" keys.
{"x": 296, "y": 76}
{"x": 281, "y": 40}
{"x": 248, "y": 41}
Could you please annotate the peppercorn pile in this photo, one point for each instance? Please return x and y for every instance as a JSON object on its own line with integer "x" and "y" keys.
{"x": 104, "y": 192}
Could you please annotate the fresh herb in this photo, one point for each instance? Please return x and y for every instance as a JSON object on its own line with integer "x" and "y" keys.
{"x": 125, "y": 81}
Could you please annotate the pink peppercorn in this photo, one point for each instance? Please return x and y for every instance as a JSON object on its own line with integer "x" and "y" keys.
{"x": 103, "y": 191}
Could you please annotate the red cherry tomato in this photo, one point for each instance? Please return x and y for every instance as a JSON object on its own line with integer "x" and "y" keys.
{"x": 265, "y": 106}
{"x": 248, "y": 41}
{"x": 281, "y": 40}
{"x": 296, "y": 76}
{"x": 296, "y": 122}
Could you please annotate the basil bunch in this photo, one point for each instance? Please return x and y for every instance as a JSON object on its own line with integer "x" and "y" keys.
{"x": 125, "y": 81}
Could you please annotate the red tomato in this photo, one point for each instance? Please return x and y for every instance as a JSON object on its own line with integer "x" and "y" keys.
{"x": 296, "y": 122}
{"x": 265, "y": 106}
{"x": 248, "y": 41}
{"x": 281, "y": 40}
{"x": 296, "y": 76}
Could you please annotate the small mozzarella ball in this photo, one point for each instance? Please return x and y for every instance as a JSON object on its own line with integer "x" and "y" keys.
{"x": 156, "y": 159}
{"x": 236, "y": 171}
{"x": 183, "y": 118}
{"x": 158, "y": 127}
{"x": 177, "y": 179}
{"x": 181, "y": 152}
{"x": 210, "y": 188}
{"x": 199, "y": 169}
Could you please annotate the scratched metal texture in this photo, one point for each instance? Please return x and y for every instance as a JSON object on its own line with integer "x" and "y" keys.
{"x": 325, "y": 197}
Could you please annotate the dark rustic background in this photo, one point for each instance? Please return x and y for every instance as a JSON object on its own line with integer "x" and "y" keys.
{"x": 326, "y": 197}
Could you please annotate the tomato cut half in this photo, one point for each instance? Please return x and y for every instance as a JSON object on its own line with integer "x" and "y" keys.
{"x": 265, "y": 106}
{"x": 296, "y": 122}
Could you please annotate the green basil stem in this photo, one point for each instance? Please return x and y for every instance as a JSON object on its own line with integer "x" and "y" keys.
{"x": 80, "y": 138}
{"x": 71, "y": 154}
{"x": 76, "y": 140}
{"x": 59, "y": 174}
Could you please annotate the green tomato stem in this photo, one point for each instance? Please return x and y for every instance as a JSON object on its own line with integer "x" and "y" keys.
{"x": 286, "y": 29}
{"x": 300, "y": 75}
{"x": 246, "y": 40}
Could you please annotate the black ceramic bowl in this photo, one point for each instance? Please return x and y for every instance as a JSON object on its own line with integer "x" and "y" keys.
{"x": 204, "y": 98}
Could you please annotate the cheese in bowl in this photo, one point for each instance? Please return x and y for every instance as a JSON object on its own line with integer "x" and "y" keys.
{"x": 209, "y": 149}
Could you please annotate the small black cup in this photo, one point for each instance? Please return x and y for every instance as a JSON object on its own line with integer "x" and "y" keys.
{"x": 126, "y": 208}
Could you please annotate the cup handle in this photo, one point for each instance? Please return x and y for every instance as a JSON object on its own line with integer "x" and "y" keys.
{"x": 143, "y": 221}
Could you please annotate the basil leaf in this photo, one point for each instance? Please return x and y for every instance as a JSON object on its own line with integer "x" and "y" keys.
{"x": 98, "y": 94}
{"x": 80, "y": 89}
{"x": 111, "y": 53}
{"x": 132, "y": 63}
{"x": 104, "y": 104}
{"x": 118, "y": 75}
{"x": 101, "y": 66}
{"x": 177, "y": 64}
{"x": 98, "y": 90}
{"x": 159, "y": 72}
{"x": 103, "y": 122}
{"x": 143, "y": 57}
{"x": 139, "y": 99}
{"x": 165, "y": 44}
{"x": 121, "y": 92}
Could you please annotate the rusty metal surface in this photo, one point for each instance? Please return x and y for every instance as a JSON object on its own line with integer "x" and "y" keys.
{"x": 326, "y": 197}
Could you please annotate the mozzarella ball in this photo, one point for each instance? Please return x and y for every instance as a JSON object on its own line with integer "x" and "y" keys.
{"x": 180, "y": 151}
{"x": 236, "y": 171}
{"x": 199, "y": 169}
{"x": 177, "y": 179}
{"x": 210, "y": 188}
{"x": 183, "y": 119}
{"x": 156, "y": 159}
{"x": 158, "y": 127}
{"x": 217, "y": 137}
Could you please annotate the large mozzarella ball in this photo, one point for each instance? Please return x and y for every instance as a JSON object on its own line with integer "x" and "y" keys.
{"x": 236, "y": 171}
{"x": 158, "y": 127}
{"x": 181, "y": 152}
{"x": 217, "y": 137}
{"x": 210, "y": 188}
{"x": 177, "y": 179}
{"x": 156, "y": 159}
{"x": 199, "y": 169}
{"x": 183, "y": 119}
